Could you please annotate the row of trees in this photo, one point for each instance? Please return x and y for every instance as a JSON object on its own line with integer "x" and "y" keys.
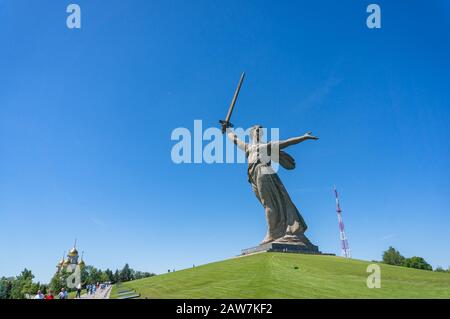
{"x": 18, "y": 287}
{"x": 92, "y": 275}
{"x": 393, "y": 257}
{"x": 22, "y": 285}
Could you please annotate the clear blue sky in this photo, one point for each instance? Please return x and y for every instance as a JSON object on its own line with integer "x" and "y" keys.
{"x": 86, "y": 117}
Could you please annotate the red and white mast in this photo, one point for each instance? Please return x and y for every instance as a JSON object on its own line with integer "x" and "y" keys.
{"x": 344, "y": 243}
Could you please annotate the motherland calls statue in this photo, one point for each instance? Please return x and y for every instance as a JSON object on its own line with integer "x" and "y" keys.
{"x": 285, "y": 223}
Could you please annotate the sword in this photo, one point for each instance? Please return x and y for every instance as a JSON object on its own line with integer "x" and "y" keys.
{"x": 226, "y": 123}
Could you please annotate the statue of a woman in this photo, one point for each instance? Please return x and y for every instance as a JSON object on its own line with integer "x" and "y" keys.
{"x": 285, "y": 224}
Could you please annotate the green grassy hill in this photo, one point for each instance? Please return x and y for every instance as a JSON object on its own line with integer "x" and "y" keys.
{"x": 274, "y": 275}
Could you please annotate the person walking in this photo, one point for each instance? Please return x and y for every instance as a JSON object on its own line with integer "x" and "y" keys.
{"x": 39, "y": 295}
{"x": 63, "y": 294}
{"x": 49, "y": 296}
{"x": 78, "y": 295}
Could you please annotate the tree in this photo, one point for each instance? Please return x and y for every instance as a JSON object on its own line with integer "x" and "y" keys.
{"x": 110, "y": 275}
{"x": 84, "y": 275}
{"x": 58, "y": 281}
{"x": 91, "y": 275}
{"x": 23, "y": 285}
{"x": 116, "y": 276}
{"x": 104, "y": 277}
{"x": 393, "y": 257}
{"x": 96, "y": 276}
{"x": 126, "y": 274}
{"x": 5, "y": 287}
{"x": 141, "y": 274}
{"x": 43, "y": 288}
{"x": 440, "y": 269}
{"x": 418, "y": 263}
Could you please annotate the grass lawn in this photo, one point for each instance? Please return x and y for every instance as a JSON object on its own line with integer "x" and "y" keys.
{"x": 72, "y": 294}
{"x": 274, "y": 275}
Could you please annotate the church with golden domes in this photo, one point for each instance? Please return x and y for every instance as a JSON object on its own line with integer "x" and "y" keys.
{"x": 71, "y": 262}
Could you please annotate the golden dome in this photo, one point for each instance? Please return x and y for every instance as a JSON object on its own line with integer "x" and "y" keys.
{"x": 81, "y": 263}
{"x": 67, "y": 262}
{"x": 73, "y": 252}
{"x": 60, "y": 263}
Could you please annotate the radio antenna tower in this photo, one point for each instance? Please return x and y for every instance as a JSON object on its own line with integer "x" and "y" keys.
{"x": 343, "y": 237}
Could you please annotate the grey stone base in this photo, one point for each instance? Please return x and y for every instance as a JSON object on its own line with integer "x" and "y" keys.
{"x": 299, "y": 248}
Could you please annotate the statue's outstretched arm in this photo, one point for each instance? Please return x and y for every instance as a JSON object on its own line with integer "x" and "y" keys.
{"x": 236, "y": 140}
{"x": 295, "y": 140}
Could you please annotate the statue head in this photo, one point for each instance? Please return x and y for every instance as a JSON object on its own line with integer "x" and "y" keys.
{"x": 256, "y": 133}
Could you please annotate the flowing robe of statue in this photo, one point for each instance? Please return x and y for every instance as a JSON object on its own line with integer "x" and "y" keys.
{"x": 285, "y": 223}
{"x": 283, "y": 219}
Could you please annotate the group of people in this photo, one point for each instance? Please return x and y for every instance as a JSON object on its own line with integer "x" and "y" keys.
{"x": 91, "y": 289}
{"x": 63, "y": 294}
{"x": 49, "y": 296}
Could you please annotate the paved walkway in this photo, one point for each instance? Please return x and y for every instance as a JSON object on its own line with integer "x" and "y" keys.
{"x": 99, "y": 294}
